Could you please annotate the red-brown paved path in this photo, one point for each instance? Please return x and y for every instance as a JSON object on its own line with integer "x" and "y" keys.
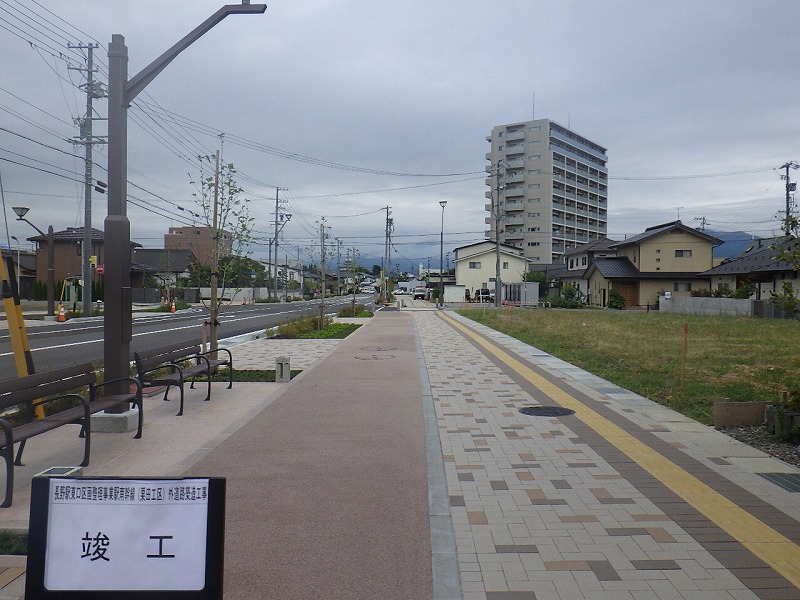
{"x": 327, "y": 492}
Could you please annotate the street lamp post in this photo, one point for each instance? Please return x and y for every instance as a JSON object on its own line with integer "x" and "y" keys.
{"x": 442, "y": 203}
{"x": 21, "y": 211}
{"x": 117, "y": 317}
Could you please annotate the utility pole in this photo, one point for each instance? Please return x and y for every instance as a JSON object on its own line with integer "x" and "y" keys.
{"x": 338, "y": 266}
{"x": 385, "y": 264}
{"x": 790, "y": 187}
{"x": 93, "y": 89}
{"x": 322, "y": 274}
{"x": 278, "y": 216}
{"x": 497, "y": 282}
{"x": 703, "y": 222}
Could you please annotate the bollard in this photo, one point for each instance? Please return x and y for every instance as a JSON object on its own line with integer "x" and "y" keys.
{"x": 282, "y": 371}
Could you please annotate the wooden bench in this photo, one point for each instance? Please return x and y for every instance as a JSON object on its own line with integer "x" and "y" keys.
{"x": 166, "y": 366}
{"x": 46, "y": 388}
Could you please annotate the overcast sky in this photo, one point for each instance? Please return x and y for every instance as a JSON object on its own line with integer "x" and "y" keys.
{"x": 696, "y": 101}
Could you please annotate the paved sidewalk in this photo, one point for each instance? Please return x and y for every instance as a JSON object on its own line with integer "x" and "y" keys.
{"x": 398, "y": 465}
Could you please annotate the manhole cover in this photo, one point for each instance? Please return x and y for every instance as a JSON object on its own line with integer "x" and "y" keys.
{"x": 546, "y": 411}
{"x": 375, "y": 357}
{"x": 378, "y": 348}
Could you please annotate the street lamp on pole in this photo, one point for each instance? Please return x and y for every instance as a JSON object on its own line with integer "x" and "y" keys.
{"x": 21, "y": 211}
{"x": 442, "y": 203}
{"x": 117, "y": 317}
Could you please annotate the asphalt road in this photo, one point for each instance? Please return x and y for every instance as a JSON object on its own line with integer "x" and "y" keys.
{"x": 80, "y": 340}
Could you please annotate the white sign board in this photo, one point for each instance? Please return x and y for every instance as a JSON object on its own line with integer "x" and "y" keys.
{"x": 126, "y": 535}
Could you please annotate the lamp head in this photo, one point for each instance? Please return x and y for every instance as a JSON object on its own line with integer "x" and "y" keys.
{"x": 20, "y": 211}
{"x": 442, "y": 203}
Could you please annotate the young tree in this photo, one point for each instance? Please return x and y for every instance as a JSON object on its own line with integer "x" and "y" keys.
{"x": 225, "y": 211}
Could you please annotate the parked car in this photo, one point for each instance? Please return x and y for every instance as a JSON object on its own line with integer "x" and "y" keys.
{"x": 399, "y": 292}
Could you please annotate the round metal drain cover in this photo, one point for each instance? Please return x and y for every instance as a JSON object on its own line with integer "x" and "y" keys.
{"x": 546, "y": 411}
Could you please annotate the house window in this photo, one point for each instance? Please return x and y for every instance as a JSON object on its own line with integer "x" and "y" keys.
{"x": 658, "y": 250}
{"x": 474, "y": 265}
{"x": 683, "y": 287}
{"x": 533, "y": 186}
{"x": 583, "y": 261}
{"x": 723, "y": 286}
{"x": 505, "y": 265}
{"x": 533, "y": 243}
{"x": 571, "y": 263}
{"x": 534, "y": 215}
{"x": 534, "y": 200}
{"x": 534, "y": 228}
{"x": 683, "y": 254}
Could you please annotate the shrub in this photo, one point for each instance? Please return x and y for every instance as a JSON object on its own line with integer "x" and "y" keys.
{"x": 615, "y": 299}
{"x": 348, "y": 311}
{"x": 296, "y": 329}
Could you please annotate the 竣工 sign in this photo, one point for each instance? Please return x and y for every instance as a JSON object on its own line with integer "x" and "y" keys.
{"x": 117, "y": 537}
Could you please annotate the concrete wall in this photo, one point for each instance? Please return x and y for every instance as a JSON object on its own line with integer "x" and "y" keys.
{"x": 706, "y": 306}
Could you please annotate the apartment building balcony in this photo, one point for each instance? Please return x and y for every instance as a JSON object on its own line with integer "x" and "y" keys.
{"x": 513, "y": 205}
{"x": 514, "y": 235}
{"x": 515, "y": 178}
{"x": 516, "y": 190}
{"x": 514, "y": 221}
{"x": 518, "y": 134}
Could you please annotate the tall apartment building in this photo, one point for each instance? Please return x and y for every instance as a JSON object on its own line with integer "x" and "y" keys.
{"x": 554, "y": 189}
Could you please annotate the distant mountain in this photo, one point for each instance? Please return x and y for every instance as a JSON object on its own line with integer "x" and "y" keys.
{"x": 734, "y": 242}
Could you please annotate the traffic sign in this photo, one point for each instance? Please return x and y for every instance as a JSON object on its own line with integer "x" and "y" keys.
{"x": 99, "y": 269}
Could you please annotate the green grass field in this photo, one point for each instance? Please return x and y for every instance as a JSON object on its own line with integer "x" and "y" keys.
{"x": 726, "y": 357}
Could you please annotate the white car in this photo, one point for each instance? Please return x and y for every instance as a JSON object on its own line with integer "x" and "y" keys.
{"x": 399, "y": 292}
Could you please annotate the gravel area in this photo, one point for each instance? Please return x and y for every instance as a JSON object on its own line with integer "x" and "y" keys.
{"x": 759, "y": 438}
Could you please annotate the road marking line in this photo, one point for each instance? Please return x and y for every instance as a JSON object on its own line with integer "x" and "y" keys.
{"x": 772, "y": 547}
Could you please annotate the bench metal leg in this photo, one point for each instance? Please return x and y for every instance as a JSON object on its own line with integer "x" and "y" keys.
{"x": 180, "y": 410}
{"x": 8, "y": 456}
{"x": 18, "y": 460}
{"x": 141, "y": 420}
{"x": 87, "y": 443}
{"x": 230, "y": 376}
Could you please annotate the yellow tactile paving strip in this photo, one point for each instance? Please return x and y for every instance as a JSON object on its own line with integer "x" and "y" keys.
{"x": 773, "y": 548}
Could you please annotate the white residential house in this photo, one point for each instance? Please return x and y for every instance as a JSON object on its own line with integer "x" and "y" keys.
{"x": 476, "y": 265}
